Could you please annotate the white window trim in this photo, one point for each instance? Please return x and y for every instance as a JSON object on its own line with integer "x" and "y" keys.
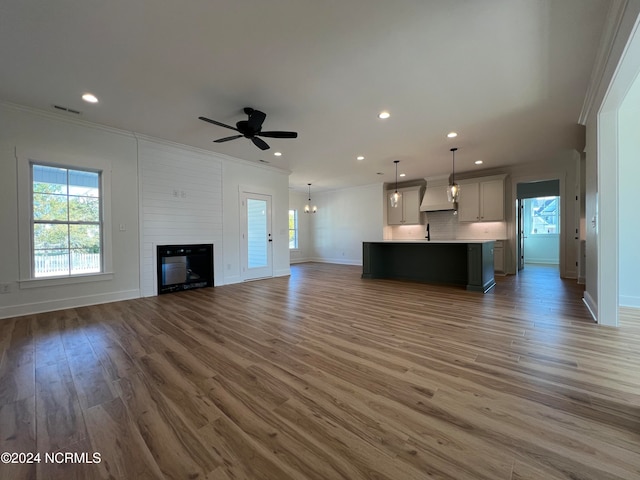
{"x": 24, "y": 159}
{"x": 297, "y": 230}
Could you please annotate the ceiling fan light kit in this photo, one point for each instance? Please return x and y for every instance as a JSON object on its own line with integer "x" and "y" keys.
{"x": 251, "y": 129}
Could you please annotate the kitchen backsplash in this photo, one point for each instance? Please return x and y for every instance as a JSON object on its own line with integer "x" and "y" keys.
{"x": 445, "y": 226}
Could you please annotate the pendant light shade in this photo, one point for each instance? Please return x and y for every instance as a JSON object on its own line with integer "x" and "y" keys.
{"x": 395, "y": 196}
{"x": 453, "y": 190}
{"x": 308, "y": 208}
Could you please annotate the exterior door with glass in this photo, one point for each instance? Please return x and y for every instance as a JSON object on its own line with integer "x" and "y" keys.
{"x": 256, "y": 238}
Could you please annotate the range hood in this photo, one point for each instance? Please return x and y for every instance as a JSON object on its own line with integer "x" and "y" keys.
{"x": 435, "y": 196}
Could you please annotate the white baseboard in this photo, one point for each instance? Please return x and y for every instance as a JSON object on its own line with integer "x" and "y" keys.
{"x": 338, "y": 261}
{"x": 232, "y": 279}
{"x": 283, "y": 272}
{"x": 591, "y": 305}
{"x": 300, "y": 260}
{"x": 60, "y": 304}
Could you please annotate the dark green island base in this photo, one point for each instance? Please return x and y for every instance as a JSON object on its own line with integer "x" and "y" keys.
{"x": 468, "y": 263}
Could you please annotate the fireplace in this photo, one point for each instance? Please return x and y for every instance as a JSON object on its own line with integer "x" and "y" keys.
{"x": 183, "y": 267}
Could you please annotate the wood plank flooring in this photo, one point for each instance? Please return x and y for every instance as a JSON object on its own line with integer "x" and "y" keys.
{"x": 323, "y": 375}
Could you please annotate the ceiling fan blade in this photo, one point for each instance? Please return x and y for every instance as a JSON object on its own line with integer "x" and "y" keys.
{"x": 226, "y": 139}
{"x": 261, "y": 144}
{"x": 276, "y": 134}
{"x": 218, "y": 123}
{"x": 256, "y": 117}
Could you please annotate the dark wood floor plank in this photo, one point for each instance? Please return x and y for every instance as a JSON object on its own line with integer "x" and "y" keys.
{"x": 122, "y": 448}
{"x": 174, "y": 445}
{"x": 59, "y": 417}
{"x": 18, "y": 435}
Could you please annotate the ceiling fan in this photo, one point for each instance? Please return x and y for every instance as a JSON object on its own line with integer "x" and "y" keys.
{"x": 251, "y": 129}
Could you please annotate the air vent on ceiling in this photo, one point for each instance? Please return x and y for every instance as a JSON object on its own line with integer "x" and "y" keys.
{"x": 263, "y": 161}
{"x": 65, "y": 109}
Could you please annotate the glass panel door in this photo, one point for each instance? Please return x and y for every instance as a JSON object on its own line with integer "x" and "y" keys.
{"x": 256, "y": 237}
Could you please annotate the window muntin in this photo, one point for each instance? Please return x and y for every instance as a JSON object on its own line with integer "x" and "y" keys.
{"x": 67, "y": 227}
{"x": 293, "y": 229}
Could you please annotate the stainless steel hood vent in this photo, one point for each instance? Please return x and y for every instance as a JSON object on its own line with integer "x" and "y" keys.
{"x": 435, "y": 196}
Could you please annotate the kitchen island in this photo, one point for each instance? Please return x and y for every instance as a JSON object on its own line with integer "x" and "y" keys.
{"x": 452, "y": 262}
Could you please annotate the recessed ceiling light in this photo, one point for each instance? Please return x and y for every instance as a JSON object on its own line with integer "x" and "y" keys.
{"x": 278, "y": 154}
{"x": 384, "y": 115}
{"x": 359, "y": 157}
{"x": 90, "y": 98}
{"x": 478, "y": 162}
{"x": 403, "y": 175}
{"x": 452, "y": 134}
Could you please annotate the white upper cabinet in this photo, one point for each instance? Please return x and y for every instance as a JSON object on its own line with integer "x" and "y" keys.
{"x": 408, "y": 210}
{"x": 481, "y": 199}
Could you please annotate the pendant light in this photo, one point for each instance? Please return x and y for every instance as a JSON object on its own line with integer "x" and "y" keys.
{"x": 453, "y": 190}
{"x": 395, "y": 196}
{"x": 308, "y": 208}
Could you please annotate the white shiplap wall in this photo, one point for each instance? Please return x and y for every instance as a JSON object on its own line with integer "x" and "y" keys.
{"x": 180, "y": 203}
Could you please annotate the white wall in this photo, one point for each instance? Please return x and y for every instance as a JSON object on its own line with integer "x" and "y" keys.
{"x": 543, "y": 249}
{"x": 629, "y": 174}
{"x": 180, "y": 203}
{"x": 22, "y": 129}
{"x": 346, "y": 218}
{"x": 304, "y": 252}
{"x": 591, "y": 233}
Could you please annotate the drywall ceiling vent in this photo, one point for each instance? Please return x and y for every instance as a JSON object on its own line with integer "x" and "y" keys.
{"x": 68, "y": 110}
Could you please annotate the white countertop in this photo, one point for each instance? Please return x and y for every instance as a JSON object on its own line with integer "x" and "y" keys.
{"x": 424, "y": 240}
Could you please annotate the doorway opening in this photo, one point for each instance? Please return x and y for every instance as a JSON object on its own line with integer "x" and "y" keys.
{"x": 542, "y": 231}
{"x": 538, "y": 221}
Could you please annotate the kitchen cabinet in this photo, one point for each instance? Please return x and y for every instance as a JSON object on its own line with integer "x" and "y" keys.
{"x": 498, "y": 257}
{"x": 408, "y": 210}
{"x": 481, "y": 199}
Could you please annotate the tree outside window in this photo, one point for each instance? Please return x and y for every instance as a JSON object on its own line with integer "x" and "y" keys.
{"x": 66, "y": 221}
{"x": 293, "y": 229}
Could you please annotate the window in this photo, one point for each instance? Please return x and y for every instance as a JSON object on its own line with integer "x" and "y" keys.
{"x": 544, "y": 216}
{"x": 293, "y": 229}
{"x": 66, "y": 221}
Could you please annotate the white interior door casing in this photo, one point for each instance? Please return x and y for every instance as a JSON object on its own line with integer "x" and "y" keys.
{"x": 256, "y": 238}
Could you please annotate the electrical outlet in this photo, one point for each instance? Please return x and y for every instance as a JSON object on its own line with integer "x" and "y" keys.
{"x": 5, "y": 288}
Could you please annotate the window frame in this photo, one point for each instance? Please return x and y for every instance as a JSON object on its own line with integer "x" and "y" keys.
{"x": 555, "y": 215}
{"x": 25, "y": 160}
{"x": 295, "y": 229}
{"x": 68, "y": 222}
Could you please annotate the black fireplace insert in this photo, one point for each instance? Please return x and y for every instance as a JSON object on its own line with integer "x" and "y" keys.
{"x": 183, "y": 267}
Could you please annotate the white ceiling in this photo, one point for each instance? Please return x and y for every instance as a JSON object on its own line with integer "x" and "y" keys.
{"x": 509, "y": 76}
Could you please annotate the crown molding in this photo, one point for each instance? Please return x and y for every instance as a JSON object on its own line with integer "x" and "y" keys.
{"x": 615, "y": 15}
{"x": 61, "y": 117}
